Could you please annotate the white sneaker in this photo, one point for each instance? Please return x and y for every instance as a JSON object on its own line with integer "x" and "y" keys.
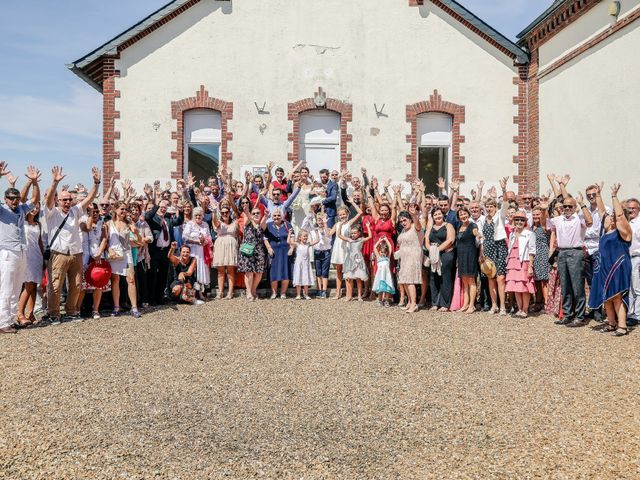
{"x": 199, "y": 302}
{"x": 307, "y": 297}
{"x": 283, "y": 297}
{"x": 298, "y": 297}
{"x": 274, "y": 295}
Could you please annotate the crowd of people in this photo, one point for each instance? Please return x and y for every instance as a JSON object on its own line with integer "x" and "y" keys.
{"x": 491, "y": 251}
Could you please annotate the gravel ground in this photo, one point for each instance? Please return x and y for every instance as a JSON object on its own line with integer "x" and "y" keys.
{"x": 318, "y": 389}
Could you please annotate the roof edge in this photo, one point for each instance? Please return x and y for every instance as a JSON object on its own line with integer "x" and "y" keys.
{"x": 80, "y": 73}
{"x": 541, "y": 18}
{"x": 521, "y": 55}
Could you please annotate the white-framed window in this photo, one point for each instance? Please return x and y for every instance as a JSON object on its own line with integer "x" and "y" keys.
{"x": 202, "y": 138}
{"x": 435, "y": 140}
{"x": 319, "y": 140}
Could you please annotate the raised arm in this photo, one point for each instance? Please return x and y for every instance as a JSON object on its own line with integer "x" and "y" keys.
{"x": 57, "y": 176}
{"x": 588, "y": 219}
{"x": 602, "y": 210}
{"x": 478, "y": 196}
{"x": 563, "y": 182}
{"x": 554, "y": 186}
{"x": 455, "y": 190}
{"x": 374, "y": 211}
{"x": 95, "y": 174}
{"x": 622, "y": 224}
{"x": 33, "y": 179}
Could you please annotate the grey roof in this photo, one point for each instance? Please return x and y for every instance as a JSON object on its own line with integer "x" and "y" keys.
{"x": 521, "y": 55}
{"x": 542, "y": 17}
{"x": 111, "y": 47}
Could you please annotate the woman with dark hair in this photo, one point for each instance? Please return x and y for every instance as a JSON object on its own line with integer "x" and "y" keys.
{"x": 467, "y": 251}
{"x": 612, "y": 280}
{"x": 439, "y": 242}
{"x": 276, "y": 237}
{"x": 183, "y": 274}
{"x": 34, "y": 272}
{"x": 252, "y": 259}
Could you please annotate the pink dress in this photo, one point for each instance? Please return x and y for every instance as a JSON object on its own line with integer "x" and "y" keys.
{"x": 518, "y": 279}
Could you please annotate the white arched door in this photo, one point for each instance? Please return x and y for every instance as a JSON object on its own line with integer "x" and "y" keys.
{"x": 202, "y": 137}
{"x": 434, "y": 148}
{"x": 320, "y": 140}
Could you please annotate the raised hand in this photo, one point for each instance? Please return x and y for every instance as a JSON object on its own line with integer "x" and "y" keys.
{"x": 126, "y": 184}
{"x": 387, "y": 183}
{"x": 80, "y": 188}
{"x": 3, "y": 169}
{"x": 565, "y": 179}
{"x": 147, "y": 190}
{"x": 480, "y": 184}
{"x": 579, "y": 198}
{"x": 56, "y": 172}
{"x": 551, "y": 177}
{"x": 492, "y": 192}
{"x": 167, "y": 186}
{"x": 503, "y": 183}
{"x": 363, "y": 171}
{"x": 65, "y": 187}
{"x": 440, "y": 183}
{"x": 191, "y": 180}
{"x": 374, "y": 183}
{"x": 12, "y": 179}
{"x": 614, "y": 189}
{"x": 95, "y": 174}
{"x": 269, "y": 166}
{"x": 33, "y": 174}
{"x": 455, "y": 184}
{"x": 599, "y": 187}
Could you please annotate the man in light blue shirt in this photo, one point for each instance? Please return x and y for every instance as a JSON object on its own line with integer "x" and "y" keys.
{"x": 13, "y": 245}
{"x": 275, "y": 203}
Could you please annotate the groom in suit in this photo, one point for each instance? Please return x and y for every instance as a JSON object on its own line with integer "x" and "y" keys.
{"x": 332, "y": 195}
{"x": 161, "y": 224}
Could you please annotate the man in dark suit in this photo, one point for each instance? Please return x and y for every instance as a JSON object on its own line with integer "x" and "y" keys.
{"x": 332, "y": 196}
{"x": 161, "y": 224}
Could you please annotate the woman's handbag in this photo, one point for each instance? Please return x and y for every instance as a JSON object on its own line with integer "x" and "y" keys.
{"x": 115, "y": 253}
{"x": 247, "y": 249}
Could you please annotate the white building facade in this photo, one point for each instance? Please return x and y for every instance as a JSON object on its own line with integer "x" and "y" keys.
{"x": 403, "y": 88}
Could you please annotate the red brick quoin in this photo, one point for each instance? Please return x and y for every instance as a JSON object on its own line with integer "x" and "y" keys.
{"x": 201, "y": 100}
{"x": 346, "y": 116}
{"x": 109, "y": 115}
{"x": 436, "y": 104}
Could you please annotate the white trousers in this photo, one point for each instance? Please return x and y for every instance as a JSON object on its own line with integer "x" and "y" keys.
{"x": 634, "y": 291}
{"x": 12, "y": 269}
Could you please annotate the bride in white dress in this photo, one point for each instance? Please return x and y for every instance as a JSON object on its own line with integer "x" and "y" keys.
{"x": 302, "y": 203}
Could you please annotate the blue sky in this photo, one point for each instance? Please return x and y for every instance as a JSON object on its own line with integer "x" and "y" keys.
{"x": 49, "y": 117}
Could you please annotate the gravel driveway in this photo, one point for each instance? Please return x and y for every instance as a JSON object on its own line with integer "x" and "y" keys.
{"x": 319, "y": 389}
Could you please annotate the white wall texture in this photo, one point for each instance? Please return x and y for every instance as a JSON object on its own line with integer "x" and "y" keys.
{"x": 589, "y": 107}
{"x": 281, "y": 51}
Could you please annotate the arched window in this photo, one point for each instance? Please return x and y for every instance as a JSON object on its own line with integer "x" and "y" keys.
{"x": 319, "y": 140}
{"x": 434, "y": 148}
{"x": 202, "y": 138}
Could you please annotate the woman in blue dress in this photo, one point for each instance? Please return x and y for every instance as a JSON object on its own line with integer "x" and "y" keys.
{"x": 276, "y": 234}
{"x": 612, "y": 270}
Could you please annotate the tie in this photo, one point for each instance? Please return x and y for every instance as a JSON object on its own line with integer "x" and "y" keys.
{"x": 165, "y": 232}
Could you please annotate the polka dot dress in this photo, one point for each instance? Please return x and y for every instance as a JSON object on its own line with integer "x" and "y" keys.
{"x": 495, "y": 250}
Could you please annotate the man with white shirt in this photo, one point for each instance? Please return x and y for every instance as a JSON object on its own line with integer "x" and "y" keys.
{"x": 13, "y": 245}
{"x": 633, "y": 207}
{"x": 477, "y": 216}
{"x": 65, "y": 243}
{"x": 570, "y": 230}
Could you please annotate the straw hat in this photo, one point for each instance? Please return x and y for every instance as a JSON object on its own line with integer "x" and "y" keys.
{"x": 488, "y": 267}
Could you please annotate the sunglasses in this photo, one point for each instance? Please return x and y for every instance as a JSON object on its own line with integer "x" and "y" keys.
{"x": 566, "y": 207}
{"x": 255, "y": 213}
{"x": 12, "y": 198}
{"x": 519, "y": 220}
{"x": 244, "y": 202}
{"x": 591, "y": 195}
{"x": 276, "y": 194}
{"x": 65, "y": 199}
{"x": 225, "y": 213}
{"x": 104, "y": 205}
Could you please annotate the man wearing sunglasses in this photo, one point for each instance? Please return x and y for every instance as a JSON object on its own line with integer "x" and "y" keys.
{"x": 570, "y": 230}
{"x": 592, "y": 238}
{"x": 13, "y": 245}
{"x": 65, "y": 242}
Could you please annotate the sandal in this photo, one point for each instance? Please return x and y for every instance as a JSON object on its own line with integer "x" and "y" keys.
{"x": 621, "y": 332}
{"x": 605, "y": 328}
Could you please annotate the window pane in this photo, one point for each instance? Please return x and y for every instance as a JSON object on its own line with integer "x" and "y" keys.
{"x": 203, "y": 160}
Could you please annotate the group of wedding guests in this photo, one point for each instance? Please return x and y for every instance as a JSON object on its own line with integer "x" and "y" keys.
{"x": 388, "y": 243}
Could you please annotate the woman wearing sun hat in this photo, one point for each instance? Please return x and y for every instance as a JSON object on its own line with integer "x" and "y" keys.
{"x": 522, "y": 251}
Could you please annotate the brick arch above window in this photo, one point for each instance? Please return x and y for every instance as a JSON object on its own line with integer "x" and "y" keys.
{"x": 201, "y": 100}
{"x": 437, "y": 105}
{"x": 308, "y": 104}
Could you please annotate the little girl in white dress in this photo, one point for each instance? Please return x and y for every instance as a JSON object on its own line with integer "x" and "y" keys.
{"x": 354, "y": 267}
{"x": 302, "y": 272}
{"x": 383, "y": 283}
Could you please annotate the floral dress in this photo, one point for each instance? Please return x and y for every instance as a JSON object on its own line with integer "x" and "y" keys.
{"x": 257, "y": 262}
{"x": 541, "y": 267}
{"x": 495, "y": 250}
